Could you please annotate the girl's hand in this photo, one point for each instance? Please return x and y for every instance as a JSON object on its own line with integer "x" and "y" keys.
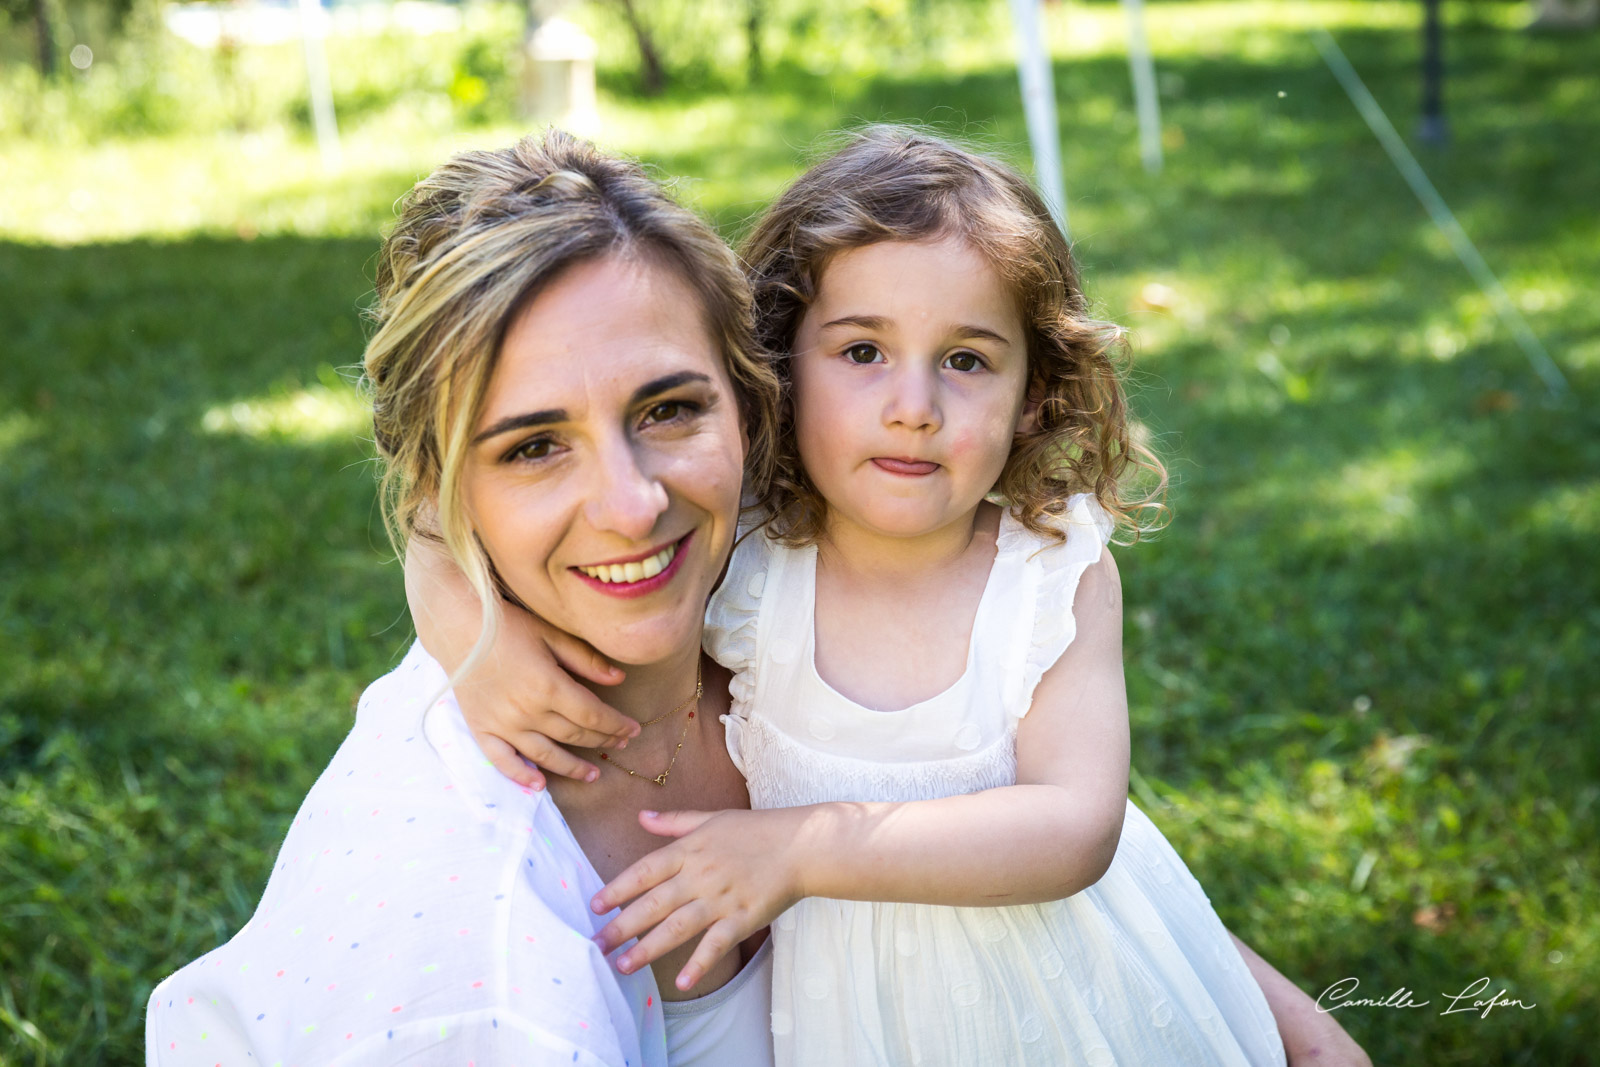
{"x": 521, "y": 702}
{"x": 730, "y": 873}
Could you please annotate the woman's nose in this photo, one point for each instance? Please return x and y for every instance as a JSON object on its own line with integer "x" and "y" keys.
{"x": 626, "y": 498}
{"x": 913, "y": 400}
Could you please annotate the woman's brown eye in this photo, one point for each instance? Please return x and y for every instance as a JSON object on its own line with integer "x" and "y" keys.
{"x": 862, "y": 353}
{"x": 537, "y": 449}
{"x": 963, "y": 361}
{"x": 665, "y": 412}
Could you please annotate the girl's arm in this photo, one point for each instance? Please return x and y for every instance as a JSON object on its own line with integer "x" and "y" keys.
{"x": 521, "y": 697}
{"x": 1047, "y": 837}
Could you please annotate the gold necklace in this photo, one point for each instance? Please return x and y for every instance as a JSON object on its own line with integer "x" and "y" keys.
{"x": 695, "y": 696}
{"x": 661, "y": 779}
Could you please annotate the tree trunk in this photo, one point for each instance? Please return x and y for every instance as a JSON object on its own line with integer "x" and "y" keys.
{"x": 752, "y": 33}
{"x": 44, "y": 40}
{"x": 652, "y": 75}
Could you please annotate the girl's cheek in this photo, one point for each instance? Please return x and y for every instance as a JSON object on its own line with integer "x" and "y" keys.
{"x": 963, "y": 443}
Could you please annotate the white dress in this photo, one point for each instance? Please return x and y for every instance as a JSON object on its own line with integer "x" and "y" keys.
{"x": 1135, "y": 970}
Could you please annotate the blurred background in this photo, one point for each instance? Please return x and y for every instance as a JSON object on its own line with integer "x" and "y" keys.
{"x": 1362, "y": 660}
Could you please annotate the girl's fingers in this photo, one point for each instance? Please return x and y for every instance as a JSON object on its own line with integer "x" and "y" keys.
{"x": 646, "y": 873}
{"x": 554, "y": 725}
{"x": 674, "y": 823}
{"x": 506, "y": 760}
{"x": 578, "y": 657}
{"x": 585, "y": 711}
{"x": 640, "y": 916}
{"x": 723, "y": 936}
{"x": 671, "y": 932}
{"x": 553, "y": 758}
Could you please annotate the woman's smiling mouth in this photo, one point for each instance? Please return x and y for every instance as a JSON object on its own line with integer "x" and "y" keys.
{"x": 638, "y": 576}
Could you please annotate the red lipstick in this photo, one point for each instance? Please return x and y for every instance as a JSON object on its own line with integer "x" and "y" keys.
{"x": 643, "y": 587}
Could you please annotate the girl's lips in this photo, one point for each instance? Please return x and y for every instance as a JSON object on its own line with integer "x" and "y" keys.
{"x": 643, "y": 587}
{"x": 907, "y": 467}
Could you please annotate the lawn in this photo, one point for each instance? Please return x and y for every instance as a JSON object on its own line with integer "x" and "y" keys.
{"x": 1361, "y": 659}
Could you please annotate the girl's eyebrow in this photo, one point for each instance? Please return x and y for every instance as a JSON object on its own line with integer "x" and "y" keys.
{"x": 878, "y": 323}
{"x": 860, "y": 322}
{"x": 556, "y": 415}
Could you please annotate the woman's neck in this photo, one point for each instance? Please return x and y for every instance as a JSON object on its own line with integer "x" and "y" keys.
{"x": 652, "y": 689}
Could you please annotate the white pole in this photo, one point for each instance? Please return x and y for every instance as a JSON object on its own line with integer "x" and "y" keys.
{"x": 1039, "y": 105}
{"x": 1144, "y": 87}
{"x": 1440, "y": 212}
{"x": 312, "y": 31}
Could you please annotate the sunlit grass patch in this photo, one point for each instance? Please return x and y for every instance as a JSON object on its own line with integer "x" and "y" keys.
{"x": 15, "y": 428}
{"x": 1381, "y": 495}
{"x": 315, "y": 414}
{"x": 1571, "y": 509}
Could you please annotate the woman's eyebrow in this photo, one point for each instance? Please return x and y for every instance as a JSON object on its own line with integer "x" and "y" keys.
{"x": 665, "y": 382}
{"x": 555, "y": 415}
{"x": 522, "y": 422}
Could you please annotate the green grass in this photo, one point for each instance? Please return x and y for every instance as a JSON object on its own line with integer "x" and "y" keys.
{"x": 1361, "y": 660}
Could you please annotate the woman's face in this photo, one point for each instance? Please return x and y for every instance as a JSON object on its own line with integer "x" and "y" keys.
{"x": 604, "y": 474}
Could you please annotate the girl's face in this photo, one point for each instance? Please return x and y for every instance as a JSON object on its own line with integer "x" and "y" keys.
{"x": 604, "y": 473}
{"x": 910, "y": 369}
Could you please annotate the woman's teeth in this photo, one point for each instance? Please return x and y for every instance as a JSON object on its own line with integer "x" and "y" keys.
{"x": 637, "y": 571}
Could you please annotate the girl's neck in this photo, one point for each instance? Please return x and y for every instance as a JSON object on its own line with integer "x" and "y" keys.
{"x": 872, "y": 556}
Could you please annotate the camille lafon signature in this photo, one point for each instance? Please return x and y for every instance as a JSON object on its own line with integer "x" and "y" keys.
{"x": 1342, "y": 994}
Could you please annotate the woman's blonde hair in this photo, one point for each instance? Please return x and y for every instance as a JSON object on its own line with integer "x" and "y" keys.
{"x": 892, "y": 183}
{"x": 475, "y": 241}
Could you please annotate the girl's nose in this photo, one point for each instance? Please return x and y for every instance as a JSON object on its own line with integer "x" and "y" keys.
{"x": 913, "y": 401}
{"x": 625, "y": 498}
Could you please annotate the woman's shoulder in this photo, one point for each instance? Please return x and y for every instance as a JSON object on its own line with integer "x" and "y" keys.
{"x": 406, "y": 864}
{"x": 406, "y": 692}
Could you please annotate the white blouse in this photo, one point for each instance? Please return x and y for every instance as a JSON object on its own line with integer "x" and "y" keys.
{"x": 423, "y": 909}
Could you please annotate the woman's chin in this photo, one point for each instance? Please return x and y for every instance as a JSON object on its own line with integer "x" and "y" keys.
{"x": 642, "y": 642}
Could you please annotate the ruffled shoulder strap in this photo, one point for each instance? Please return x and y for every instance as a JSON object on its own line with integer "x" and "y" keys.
{"x": 734, "y": 612}
{"x": 1052, "y": 571}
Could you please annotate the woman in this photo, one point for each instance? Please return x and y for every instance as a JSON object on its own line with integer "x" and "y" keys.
{"x": 564, "y": 383}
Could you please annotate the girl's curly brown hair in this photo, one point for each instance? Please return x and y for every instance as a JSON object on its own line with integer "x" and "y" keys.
{"x": 892, "y": 183}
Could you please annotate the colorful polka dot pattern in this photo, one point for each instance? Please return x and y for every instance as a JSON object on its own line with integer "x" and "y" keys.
{"x": 422, "y": 909}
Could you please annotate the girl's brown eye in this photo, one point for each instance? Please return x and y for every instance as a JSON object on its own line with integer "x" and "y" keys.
{"x": 963, "y": 361}
{"x": 862, "y": 353}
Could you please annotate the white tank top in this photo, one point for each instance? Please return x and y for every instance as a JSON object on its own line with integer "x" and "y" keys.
{"x": 729, "y": 1027}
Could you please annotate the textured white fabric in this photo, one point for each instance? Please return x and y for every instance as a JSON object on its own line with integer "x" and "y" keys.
{"x": 423, "y": 910}
{"x": 728, "y": 1027}
{"x": 1135, "y": 970}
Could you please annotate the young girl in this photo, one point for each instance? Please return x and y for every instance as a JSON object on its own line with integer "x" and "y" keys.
{"x": 926, "y": 642}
